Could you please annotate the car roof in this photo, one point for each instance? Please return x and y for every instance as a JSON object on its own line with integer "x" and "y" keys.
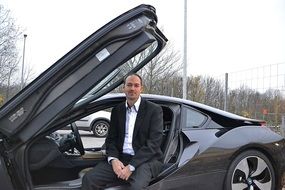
{"x": 175, "y": 100}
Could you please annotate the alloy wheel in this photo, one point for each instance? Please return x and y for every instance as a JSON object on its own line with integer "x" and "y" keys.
{"x": 101, "y": 128}
{"x": 252, "y": 173}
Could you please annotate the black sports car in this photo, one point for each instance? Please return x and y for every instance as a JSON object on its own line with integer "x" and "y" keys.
{"x": 204, "y": 148}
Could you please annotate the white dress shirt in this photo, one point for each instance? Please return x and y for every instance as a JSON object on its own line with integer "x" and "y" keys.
{"x": 131, "y": 116}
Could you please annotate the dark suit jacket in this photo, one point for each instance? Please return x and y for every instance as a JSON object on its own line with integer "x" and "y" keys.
{"x": 147, "y": 134}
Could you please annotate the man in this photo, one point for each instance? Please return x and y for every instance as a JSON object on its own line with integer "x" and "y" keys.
{"x": 133, "y": 149}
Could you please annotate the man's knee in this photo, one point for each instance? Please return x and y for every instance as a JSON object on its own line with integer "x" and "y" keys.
{"x": 89, "y": 181}
{"x": 85, "y": 177}
{"x": 86, "y": 181}
{"x": 138, "y": 184}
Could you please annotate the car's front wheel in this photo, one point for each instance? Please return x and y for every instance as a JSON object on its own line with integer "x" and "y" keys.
{"x": 100, "y": 128}
{"x": 250, "y": 170}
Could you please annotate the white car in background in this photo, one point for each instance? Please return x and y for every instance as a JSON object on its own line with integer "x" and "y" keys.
{"x": 98, "y": 123}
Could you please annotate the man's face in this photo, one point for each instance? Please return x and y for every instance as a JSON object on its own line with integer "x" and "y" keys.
{"x": 132, "y": 87}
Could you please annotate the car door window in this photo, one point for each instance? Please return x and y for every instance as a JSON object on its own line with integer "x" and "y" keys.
{"x": 194, "y": 119}
{"x": 94, "y": 127}
{"x": 113, "y": 79}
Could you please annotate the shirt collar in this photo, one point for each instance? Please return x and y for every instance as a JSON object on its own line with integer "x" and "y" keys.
{"x": 136, "y": 105}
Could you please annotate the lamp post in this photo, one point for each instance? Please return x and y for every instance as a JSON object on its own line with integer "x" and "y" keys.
{"x": 23, "y": 63}
{"x": 185, "y": 53}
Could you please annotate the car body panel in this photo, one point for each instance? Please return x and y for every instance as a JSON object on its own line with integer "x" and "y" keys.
{"x": 206, "y": 156}
{"x": 210, "y": 166}
{"x": 6, "y": 182}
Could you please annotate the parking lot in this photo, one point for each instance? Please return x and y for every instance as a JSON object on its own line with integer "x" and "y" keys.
{"x": 88, "y": 138}
{"x": 90, "y": 141}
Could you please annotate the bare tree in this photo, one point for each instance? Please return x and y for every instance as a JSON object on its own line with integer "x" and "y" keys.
{"x": 214, "y": 92}
{"x": 273, "y": 104}
{"x": 158, "y": 72}
{"x": 196, "y": 90}
{"x": 9, "y": 34}
{"x": 161, "y": 70}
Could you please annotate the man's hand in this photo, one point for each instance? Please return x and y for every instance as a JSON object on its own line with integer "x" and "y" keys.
{"x": 117, "y": 166}
{"x": 125, "y": 173}
{"x": 120, "y": 170}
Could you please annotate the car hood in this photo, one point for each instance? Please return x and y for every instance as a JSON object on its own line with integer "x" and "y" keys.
{"x": 94, "y": 67}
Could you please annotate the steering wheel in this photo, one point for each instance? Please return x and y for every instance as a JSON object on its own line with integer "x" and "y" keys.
{"x": 79, "y": 144}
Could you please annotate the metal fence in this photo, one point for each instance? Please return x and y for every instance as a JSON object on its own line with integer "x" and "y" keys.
{"x": 260, "y": 79}
{"x": 279, "y": 129}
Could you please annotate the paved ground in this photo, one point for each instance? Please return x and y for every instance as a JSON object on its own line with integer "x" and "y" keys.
{"x": 92, "y": 142}
{"x": 88, "y": 139}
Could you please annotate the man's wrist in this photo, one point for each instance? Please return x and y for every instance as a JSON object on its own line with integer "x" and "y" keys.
{"x": 111, "y": 158}
{"x": 132, "y": 168}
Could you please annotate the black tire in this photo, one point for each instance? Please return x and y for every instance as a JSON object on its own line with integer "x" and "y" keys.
{"x": 250, "y": 170}
{"x": 100, "y": 128}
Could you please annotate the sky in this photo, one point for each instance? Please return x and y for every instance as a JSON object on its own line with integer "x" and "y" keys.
{"x": 223, "y": 35}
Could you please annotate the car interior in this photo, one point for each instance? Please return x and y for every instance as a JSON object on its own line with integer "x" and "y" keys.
{"x": 56, "y": 161}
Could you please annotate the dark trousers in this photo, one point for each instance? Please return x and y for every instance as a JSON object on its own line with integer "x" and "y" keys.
{"x": 102, "y": 175}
